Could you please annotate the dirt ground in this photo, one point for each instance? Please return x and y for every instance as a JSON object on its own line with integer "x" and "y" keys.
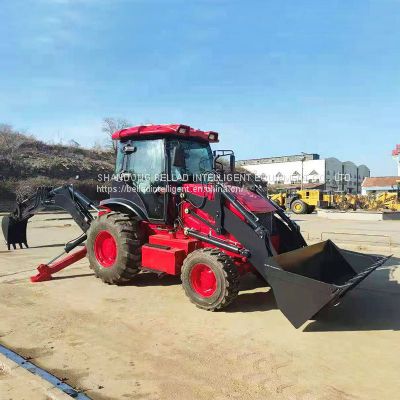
{"x": 145, "y": 340}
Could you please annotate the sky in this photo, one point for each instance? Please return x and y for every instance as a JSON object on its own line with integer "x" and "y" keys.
{"x": 273, "y": 77}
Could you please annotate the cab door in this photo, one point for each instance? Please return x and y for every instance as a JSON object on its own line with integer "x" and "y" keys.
{"x": 142, "y": 166}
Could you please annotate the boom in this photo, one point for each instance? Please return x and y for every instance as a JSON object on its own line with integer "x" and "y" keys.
{"x": 65, "y": 197}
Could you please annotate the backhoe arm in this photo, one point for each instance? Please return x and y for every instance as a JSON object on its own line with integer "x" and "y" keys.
{"x": 65, "y": 197}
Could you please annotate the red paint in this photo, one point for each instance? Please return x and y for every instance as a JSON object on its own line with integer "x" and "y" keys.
{"x": 203, "y": 280}
{"x": 183, "y": 243}
{"x": 250, "y": 200}
{"x": 164, "y": 235}
{"x": 243, "y": 266}
{"x": 168, "y": 260}
{"x": 172, "y": 129}
{"x": 45, "y": 271}
{"x": 103, "y": 210}
{"x": 105, "y": 249}
{"x": 253, "y": 202}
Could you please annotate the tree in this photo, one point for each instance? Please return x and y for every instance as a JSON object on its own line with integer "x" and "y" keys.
{"x": 10, "y": 141}
{"x": 111, "y": 125}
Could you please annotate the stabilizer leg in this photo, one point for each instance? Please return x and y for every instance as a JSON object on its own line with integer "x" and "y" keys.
{"x": 45, "y": 271}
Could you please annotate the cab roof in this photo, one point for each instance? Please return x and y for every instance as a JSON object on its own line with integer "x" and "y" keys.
{"x": 165, "y": 130}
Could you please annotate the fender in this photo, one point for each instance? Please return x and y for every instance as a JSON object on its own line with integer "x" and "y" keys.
{"x": 126, "y": 206}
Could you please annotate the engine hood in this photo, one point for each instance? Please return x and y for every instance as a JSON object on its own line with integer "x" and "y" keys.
{"x": 252, "y": 201}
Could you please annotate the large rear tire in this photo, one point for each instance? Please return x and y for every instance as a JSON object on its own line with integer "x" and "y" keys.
{"x": 299, "y": 207}
{"x": 210, "y": 279}
{"x": 114, "y": 247}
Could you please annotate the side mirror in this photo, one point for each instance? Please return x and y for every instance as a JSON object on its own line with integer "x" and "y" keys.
{"x": 128, "y": 149}
{"x": 217, "y": 154}
{"x": 178, "y": 157}
{"x": 125, "y": 176}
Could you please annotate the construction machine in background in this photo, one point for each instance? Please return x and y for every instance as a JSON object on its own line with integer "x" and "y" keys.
{"x": 382, "y": 201}
{"x": 303, "y": 201}
{"x": 346, "y": 201}
{"x": 172, "y": 212}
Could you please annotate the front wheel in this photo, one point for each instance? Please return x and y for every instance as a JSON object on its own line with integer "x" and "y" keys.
{"x": 210, "y": 279}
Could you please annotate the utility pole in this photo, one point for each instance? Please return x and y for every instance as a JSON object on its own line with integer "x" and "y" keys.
{"x": 396, "y": 157}
{"x": 302, "y": 169}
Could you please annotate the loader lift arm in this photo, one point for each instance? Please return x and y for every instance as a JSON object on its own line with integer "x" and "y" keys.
{"x": 293, "y": 227}
{"x": 65, "y": 197}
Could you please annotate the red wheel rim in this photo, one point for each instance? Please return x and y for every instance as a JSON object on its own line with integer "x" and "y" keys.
{"x": 203, "y": 280}
{"x": 105, "y": 249}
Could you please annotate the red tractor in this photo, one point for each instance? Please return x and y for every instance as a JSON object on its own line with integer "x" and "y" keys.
{"x": 172, "y": 211}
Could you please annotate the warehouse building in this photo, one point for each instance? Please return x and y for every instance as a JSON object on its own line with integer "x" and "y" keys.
{"x": 380, "y": 184}
{"x": 309, "y": 170}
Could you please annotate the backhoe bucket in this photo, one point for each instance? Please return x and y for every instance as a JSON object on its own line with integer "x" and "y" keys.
{"x": 14, "y": 231}
{"x": 307, "y": 279}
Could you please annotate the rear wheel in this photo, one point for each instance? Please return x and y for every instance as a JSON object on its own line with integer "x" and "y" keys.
{"x": 299, "y": 207}
{"x": 114, "y": 247}
{"x": 210, "y": 279}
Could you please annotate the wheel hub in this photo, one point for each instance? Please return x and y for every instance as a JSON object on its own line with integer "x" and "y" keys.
{"x": 203, "y": 280}
{"x": 105, "y": 249}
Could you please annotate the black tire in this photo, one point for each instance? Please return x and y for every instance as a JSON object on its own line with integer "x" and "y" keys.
{"x": 226, "y": 275}
{"x": 310, "y": 209}
{"x": 124, "y": 230}
{"x": 299, "y": 207}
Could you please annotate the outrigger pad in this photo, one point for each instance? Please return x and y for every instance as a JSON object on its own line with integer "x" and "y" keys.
{"x": 14, "y": 232}
{"x": 307, "y": 279}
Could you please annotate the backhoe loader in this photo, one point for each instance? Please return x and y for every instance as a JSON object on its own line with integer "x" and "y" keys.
{"x": 171, "y": 212}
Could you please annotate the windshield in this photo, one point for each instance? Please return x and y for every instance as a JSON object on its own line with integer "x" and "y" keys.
{"x": 198, "y": 159}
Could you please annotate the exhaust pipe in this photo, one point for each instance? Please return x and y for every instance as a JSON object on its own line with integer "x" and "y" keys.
{"x": 306, "y": 280}
{"x": 14, "y": 231}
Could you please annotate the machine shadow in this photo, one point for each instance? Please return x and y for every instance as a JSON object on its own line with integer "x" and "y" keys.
{"x": 56, "y": 278}
{"x": 152, "y": 279}
{"x": 373, "y": 305}
{"x": 252, "y": 302}
{"x": 47, "y": 245}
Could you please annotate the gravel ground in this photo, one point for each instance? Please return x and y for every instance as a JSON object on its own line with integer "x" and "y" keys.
{"x": 147, "y": 341}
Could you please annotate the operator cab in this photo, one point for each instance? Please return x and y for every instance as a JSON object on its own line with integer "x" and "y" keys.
{"x": 151, "y": 157}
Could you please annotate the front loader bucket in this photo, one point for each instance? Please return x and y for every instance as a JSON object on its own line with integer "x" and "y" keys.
{"x": 307, "y": 279}
{"x": 14, "y": 231}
